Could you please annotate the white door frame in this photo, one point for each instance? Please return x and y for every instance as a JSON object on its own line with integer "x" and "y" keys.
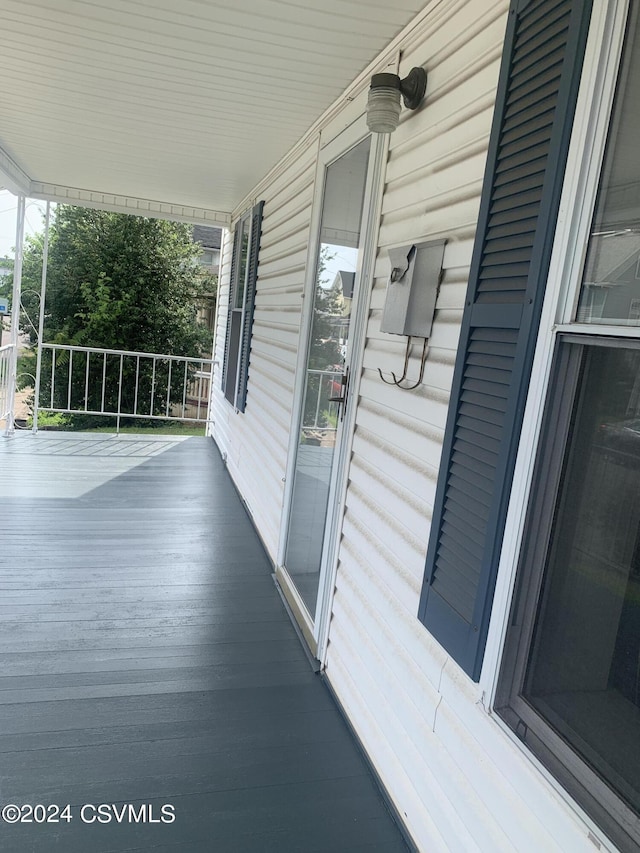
{"x": 315, "y": 626}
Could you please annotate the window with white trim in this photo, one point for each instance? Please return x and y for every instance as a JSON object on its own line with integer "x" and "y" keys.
{"x": 570, "y": 679}
{"x": 242, "y": 292}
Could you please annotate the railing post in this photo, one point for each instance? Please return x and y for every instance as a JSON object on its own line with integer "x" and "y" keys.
{"x": 15, "y": 314}
{"x": 43, "y": 295}
{"x": 119, "y": 394}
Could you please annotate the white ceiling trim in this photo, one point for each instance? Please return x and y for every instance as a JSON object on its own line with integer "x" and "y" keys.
{"x": 13, "y": 177}
{"x": 388, "y": 60}
{"x": 129, "y": 204}
{"x": 188, "y": 100}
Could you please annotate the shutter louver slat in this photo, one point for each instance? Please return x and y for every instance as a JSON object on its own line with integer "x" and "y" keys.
{"x": 512, "y": 229}
{"x": 519, "y": 137}
{"x": 533, "y": 93}
{"x": 513, "y": 247}
{"x": 488, "y": 359}
{"x": 463, "y": 546}
{"x": 525, "y": 213}
{"x": 481, "y": 405}
{"x": 461, "y": 468}
{"x": 493, "y": 380}
{"x": 541, "y": 23}
{"x": 505, "y": 349}
{"x": 483, "y": 353}
{"x": 509, "y": 202}
{"x": 540, "y": 12}
{"x": 461, "y": 490}
{"x": 480, "y": 439}
{"x": 456, "y": 505}
{"x": 536, "y": 98}
{"x": 466, "y": 566}
{"x": 516, "y": 186}
{"x": 460, "y": 599}
{"x": 491, "y": 393}
{"x": 464, "y": 522}
{"x": 489, "y": 420}
{"x": 473, "y": 465}
{"x": 529, "y": 169}
{"x": 539, "y": 59}
{"x": 523, "y": 143}
{"x": 526, "y": 105}
{"x": 483, "y": 454}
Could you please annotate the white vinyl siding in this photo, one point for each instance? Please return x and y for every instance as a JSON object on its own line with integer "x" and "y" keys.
{"x": 256, "y": 441}
{"x": 454, "y": 776}
{"x": 457, "y": 779}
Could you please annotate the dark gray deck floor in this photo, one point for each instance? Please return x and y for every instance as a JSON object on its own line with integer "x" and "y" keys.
{"x": 147, "y": 659}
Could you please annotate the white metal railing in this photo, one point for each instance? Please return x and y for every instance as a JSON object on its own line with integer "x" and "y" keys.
{"x": 199, "y": 389}
{"x": 123, "y": 384}
{"x": 6, "y": 384}
{"x": 319, "y": 413}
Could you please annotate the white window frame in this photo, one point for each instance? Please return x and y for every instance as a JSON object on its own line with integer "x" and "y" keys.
{"x": 245, "y": 221}
{"x": 582, "y": 178}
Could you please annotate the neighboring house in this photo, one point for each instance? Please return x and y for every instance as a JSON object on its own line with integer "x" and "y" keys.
{"x": 210, "y": 239}
{"x": 463, "y": 558}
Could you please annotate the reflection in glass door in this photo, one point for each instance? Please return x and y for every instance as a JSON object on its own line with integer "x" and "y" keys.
{"x": 326, "y": 376}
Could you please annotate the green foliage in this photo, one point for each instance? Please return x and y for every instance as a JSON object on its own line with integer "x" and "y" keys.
{"x": 119, "y": 282}
{"x": 6, "y": 280}
{"x": 51, "y": 420}
{"x": 325, "y": 352}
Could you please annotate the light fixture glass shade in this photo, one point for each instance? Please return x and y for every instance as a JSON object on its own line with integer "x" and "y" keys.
{"x": 383, "y": 109}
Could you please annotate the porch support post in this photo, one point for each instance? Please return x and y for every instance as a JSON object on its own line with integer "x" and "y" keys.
{"x": 15, "y": 313}
{"x": 43, "y": 295}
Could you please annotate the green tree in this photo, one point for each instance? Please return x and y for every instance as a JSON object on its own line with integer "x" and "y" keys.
{"x": 119, "y": 282}
{"x": 6, "y": 277}
{"x": 324, "y": 345}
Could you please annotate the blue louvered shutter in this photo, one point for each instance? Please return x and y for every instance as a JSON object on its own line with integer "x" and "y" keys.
{"x": 250, "y": 298}
{"x": 537, "y": 90}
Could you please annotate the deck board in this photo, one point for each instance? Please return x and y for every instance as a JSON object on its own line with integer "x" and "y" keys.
{"x": 148, "y": 659}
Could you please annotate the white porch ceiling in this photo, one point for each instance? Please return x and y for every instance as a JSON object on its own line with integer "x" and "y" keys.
{"x": 188, "y": 103}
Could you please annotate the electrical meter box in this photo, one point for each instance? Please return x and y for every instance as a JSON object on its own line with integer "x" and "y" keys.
{"x": 413, "y": 288}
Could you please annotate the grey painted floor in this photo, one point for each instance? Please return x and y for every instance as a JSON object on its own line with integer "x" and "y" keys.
{"x": 147, "y": 660}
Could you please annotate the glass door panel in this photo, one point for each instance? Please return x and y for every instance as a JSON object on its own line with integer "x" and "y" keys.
{"x": 326, "y": 370}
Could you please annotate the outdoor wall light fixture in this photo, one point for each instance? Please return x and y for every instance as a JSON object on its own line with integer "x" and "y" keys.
{"x": 383, "y": 106}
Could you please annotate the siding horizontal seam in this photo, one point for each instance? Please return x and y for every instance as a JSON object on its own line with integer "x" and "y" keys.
{"x": 419, "y": 819}
{"x": 462, "y": 153}
{"x": 463, "y": 192}
{"x": 399, "y": 567}
{"x": 387, "y": 481}
{"x": 458, "y": 835}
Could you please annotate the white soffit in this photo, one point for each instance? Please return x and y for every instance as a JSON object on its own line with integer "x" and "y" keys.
{"x": 187, "y": 103}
